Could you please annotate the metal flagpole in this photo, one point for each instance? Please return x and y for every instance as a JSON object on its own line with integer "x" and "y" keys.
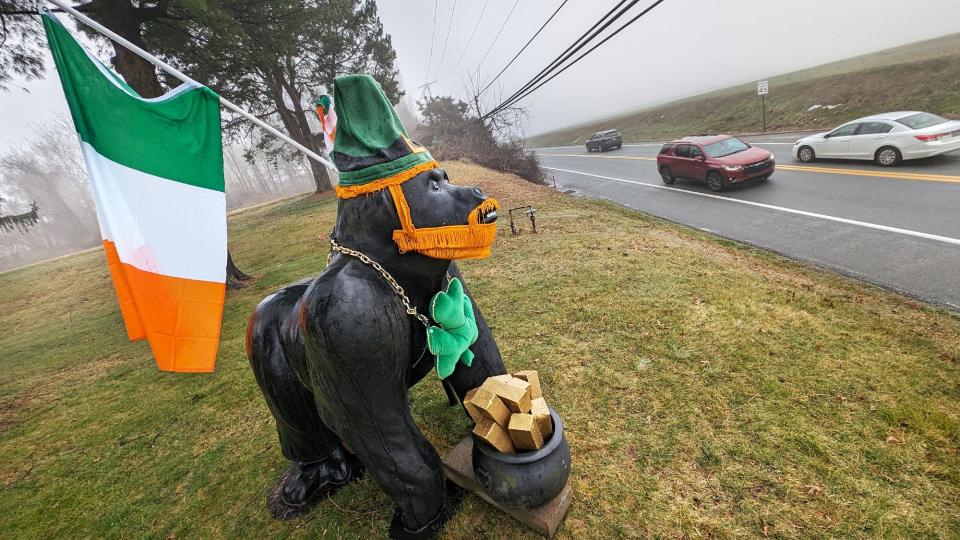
{"x": 176, "y": 73}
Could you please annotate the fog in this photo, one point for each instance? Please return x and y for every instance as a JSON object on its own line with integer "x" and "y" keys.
{"x": 46, "y": 167}
{"x": 680, "y": 48}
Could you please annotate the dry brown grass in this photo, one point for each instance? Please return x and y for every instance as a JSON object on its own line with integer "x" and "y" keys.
{"x": 922, "y": 76}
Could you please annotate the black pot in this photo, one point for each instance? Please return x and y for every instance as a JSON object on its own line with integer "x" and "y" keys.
{"x": 526, "y": 479}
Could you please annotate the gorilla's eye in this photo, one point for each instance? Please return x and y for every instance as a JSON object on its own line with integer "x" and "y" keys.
{"x": 435, "y": 184}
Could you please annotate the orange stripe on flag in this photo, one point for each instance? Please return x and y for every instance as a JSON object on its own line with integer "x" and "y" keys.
{"x": 181, "y": 317}
{"x": 128, "y": 307}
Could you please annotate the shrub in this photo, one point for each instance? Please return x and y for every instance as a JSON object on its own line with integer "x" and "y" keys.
{"x": 452, "y": 132}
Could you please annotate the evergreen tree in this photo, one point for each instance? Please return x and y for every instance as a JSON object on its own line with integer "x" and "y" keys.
{"x": 271, "y": 57}
{"x": 20, "y": 222}
{"x": 21, "y": 39}
{"x": 274, "y": 58}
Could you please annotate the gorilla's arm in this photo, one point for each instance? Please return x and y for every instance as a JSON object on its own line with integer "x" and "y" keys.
{"x": 486, "y": 361}
{"x": 361, "y": 360}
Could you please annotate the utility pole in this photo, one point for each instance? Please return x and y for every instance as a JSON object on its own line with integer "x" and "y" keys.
{"x": 425, "y": 89}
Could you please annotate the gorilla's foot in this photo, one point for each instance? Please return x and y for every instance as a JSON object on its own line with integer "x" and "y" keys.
{"x": 398, "y": 531}
{"x": 303, "y": 485}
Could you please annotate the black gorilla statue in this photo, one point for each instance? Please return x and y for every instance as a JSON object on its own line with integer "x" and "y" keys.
{"x": 334, "y": 356}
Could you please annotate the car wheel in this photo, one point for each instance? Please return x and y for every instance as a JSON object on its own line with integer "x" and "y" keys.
{"x": 806, "y": 154}
{"x": 667, "y": 176}
{"x": 619, "y": 146}
{"x": 715, "y": 181}
{"x": 888, "y": 156}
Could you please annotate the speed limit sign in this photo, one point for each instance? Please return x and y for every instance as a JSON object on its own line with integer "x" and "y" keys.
{"x": 762, "y": 88}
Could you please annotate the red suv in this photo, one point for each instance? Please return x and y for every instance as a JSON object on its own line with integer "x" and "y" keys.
{"x": 718, "y": 160}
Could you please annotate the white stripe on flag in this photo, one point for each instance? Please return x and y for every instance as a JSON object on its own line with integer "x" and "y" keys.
{"x": 159, "y": 225}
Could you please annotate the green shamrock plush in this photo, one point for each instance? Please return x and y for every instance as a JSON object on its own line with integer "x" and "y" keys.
{"x": 457, "y": 330}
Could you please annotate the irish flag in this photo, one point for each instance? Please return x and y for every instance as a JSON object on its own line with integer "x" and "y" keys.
{"x": 156, "y": 171}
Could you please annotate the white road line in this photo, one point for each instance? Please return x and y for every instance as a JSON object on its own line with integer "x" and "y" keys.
{"x": 875, "y": 226}
{"x": 549, "y": 148}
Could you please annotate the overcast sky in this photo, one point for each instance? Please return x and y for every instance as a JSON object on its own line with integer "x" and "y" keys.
{"x": 680, "y": 48}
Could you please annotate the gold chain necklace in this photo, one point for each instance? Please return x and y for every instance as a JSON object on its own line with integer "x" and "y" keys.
{"x": 411, "y": 309}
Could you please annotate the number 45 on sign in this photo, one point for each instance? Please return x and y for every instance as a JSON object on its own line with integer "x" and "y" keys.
{"x": 762, "y": 90}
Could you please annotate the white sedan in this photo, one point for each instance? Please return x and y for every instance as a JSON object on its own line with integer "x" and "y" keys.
{"x": 885, "y": 138}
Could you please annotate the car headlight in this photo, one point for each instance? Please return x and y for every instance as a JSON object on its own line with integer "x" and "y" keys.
{"x": 732, "y": 167}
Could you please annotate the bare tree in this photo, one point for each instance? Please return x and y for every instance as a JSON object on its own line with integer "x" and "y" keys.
{"x": 47, "y": 169}
{"x": 505, "y": 124}
{"x": 45, "y": 191}
{"x": 455, "y": 129}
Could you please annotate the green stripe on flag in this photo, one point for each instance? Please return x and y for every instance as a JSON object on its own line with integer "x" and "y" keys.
{"x": 176, "y": 136}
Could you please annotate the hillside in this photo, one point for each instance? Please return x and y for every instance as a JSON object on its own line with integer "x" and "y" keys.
{"x": 923, "y": 75}
{"x": 709, "y": 390}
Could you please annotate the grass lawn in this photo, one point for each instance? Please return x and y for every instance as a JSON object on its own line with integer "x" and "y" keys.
{"x": 708, "y": 389}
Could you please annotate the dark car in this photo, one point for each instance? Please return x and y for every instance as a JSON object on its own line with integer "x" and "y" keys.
{"x": 718, "y": 160}
{"x": 604, "y": 140}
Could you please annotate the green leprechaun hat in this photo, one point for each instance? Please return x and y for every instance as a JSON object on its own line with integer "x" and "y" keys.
{"x": 371, "y": 149}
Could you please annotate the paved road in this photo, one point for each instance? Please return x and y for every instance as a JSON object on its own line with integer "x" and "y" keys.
{"x": 898, "y": 228}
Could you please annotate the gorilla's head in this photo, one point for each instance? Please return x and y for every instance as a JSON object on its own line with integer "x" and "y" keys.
{"x": 435, "y": 202}
{"x": 427, "y": 215}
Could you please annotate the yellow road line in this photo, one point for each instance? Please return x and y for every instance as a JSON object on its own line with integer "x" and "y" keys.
{"x": 894, "y": 175}
{"x": 877, "y": 174}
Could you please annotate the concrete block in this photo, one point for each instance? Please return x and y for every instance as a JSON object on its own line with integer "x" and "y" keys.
{"x": 544, "y": 520}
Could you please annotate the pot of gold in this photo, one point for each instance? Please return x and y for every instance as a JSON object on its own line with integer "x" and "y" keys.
{"x": 520, "y": 455}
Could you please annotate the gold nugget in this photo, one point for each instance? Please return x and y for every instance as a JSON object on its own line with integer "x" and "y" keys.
{"x": 541, "y": 415}
{"x": 476, "y": 414}
{"x": 495, "y": 435}
{"x": 524, "y": 432}
{"x": 515, "y": 393}
{"x": 491, "y": 406}
{"x": 532, "y": 377}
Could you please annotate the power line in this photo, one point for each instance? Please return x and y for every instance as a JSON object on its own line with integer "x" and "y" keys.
{"x": 467, "y": 47}
{"x": 524, "y": 47}
{"x": 576, "y": 45}
{"x": 617, "y": 31}
{"x": 495, "y": 38}
{"x": 433, "y": 32}
{"x": 445, "y": 40}
{"x": 580, "y": 42}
